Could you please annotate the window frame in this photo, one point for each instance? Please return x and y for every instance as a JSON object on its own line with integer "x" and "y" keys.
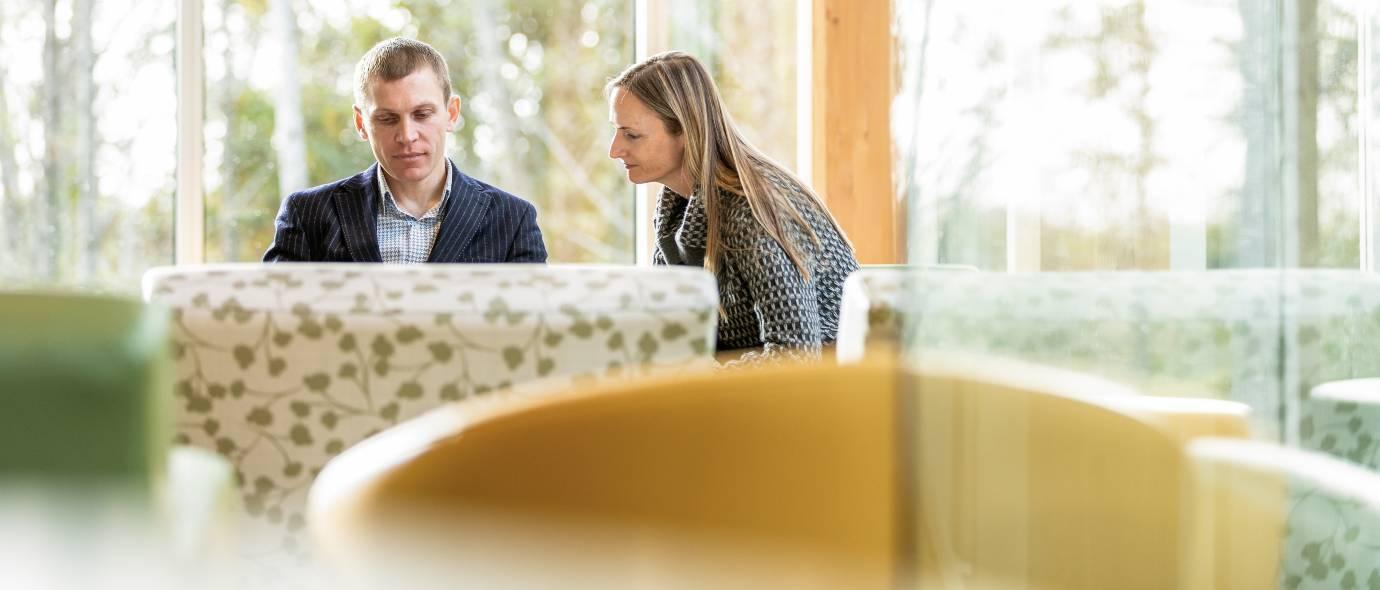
{"x": 650, "y": 36}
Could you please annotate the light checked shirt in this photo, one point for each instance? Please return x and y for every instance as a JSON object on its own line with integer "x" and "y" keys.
{"x": 404, "y": 239}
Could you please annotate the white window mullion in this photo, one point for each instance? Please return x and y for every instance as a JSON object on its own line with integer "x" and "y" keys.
{"x": 650, "y": 38}
{"x": 189, "y": 229}
{"x": 804, "y": 89}
{"x": 1370, "y": 208}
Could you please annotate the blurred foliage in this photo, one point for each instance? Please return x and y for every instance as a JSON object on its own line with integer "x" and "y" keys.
{"x": 530, "y": 74}
{"x": 1112, "y": 168}
{"x": 534, "y": 121}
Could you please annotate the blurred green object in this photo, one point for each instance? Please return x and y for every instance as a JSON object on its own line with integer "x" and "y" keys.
{"x": 84, "y": 387}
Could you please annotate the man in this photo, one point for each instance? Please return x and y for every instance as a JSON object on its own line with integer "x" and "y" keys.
{"x": 413, "y": 205}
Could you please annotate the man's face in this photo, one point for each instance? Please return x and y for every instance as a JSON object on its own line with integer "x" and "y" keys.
{"x": 406, "y": 122}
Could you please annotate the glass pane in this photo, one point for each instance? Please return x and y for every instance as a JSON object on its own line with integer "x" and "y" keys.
{"x": 750, "y": 49}
{"x": 530, "y": 77}
{"x": 87, "y": 141}
{"x": 1185, "y": 181}
{"x": 1336, "y": 231}
{"x": 1129, "y": 135}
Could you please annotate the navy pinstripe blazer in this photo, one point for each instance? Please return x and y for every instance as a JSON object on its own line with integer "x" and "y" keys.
{"x": 338, "y": 222}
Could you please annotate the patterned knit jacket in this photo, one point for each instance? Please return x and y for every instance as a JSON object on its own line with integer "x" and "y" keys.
{"x": 765, "y": 301}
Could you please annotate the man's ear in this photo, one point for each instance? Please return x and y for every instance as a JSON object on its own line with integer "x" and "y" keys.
{"x": 359, "y": 124}
{"x": 452, "y": 112}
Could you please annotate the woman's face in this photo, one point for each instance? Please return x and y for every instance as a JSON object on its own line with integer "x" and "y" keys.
{"x": 648, "y": 152}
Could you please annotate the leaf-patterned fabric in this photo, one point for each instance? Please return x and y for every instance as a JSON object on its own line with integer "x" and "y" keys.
{"x": 281, "y": 367}
{"x": 1343, "y": 420}
{"x": 1263, "y": 337}
{"x": 1332, "y": 539}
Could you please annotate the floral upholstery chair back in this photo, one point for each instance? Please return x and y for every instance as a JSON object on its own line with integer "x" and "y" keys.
{"x": 1262, "y": 337}
{"x": 1343, "y": 420}
{"x": 1267, "y": 516}
{"x": 282, "y": 367}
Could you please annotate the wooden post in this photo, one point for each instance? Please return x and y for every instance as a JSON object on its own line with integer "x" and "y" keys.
{"x": 852, "y": 89}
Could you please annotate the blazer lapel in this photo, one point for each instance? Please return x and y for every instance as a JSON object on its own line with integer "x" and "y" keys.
{"x": 357, "y": 205}
{"x": 465, "y": 213}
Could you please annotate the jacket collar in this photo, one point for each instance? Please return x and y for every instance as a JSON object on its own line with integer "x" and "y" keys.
{"x": 466, "y": 211}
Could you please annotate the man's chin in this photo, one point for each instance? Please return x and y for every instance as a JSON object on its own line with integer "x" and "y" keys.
{"x": 413, "y": 173}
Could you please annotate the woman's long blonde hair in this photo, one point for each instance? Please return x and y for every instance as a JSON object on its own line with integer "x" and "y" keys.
{"x": 676, "y": 87}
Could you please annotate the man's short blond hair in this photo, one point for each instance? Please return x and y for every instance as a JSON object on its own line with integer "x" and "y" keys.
{"x": 395, "y": 59}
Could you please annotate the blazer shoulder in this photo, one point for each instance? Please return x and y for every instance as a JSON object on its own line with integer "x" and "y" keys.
{"x": 502, "y": 199}
{"x": 353, "y": 184}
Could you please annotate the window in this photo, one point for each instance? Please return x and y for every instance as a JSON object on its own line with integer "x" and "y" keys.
{"x": 87, "y": 138}
{"x": 533, "y": 120}
{"x": 1127, "y": 134}
{"x": 760, "y": 91}
{"x": 88, "y": 180}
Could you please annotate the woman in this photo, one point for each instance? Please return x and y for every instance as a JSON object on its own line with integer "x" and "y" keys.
{"x": 779, "y": 256}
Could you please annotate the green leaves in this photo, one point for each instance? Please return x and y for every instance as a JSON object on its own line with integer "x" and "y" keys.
{"x": 1328, "y": 442}
{"x": 317, "y": 381}
{"x": 603, "y": 322}
{"x": 381, "y": 346}
{"x": 582, "y": 329}
{"x": 244, "y": 356}
{"x": 408, "y": 334}
{"x": 259, "y": 416}
{"x": 647, "y": 345}
{"x": 310, "y": 328}
{"x": 498, "y": 309}
{"x": 441, "y": 351}
{"x": 197, "y": 404}
{"x": 699, "y": 346}
{"x": 513, "y": 357}
{"x": 389, "y": 411}
{"x": 410, "y": 390}
{"x": 300, "y": 435}
{"x": 673, "y": 331}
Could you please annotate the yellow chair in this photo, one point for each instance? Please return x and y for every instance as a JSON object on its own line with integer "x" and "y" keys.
{"x": 1265, "y": 516}
{"x": 783, "y": 477}
{"x": 1032, "y": 477}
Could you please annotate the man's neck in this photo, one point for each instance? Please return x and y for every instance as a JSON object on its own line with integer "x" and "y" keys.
{"x": 419, "y": 197}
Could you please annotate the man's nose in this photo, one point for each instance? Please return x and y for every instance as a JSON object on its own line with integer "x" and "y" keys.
{"x": 407, "y": 131}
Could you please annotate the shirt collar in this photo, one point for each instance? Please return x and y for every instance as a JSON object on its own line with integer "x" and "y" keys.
{"x": 386, "y": 195}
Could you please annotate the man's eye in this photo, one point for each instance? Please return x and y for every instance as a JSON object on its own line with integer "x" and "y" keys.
{"x": 423, "y": 115}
